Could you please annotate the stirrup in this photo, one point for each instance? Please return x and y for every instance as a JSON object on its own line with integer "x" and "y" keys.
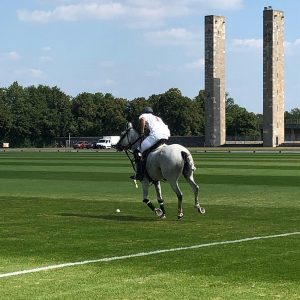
{"x": 137, "y": 177}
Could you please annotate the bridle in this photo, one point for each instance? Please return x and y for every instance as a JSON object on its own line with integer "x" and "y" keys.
{"x": 128, "y": 148}
{"x": 130, "y": 144}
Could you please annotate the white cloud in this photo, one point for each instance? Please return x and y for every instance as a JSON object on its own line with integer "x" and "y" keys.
{"x": 238, "y": 45}
{"x": 198, "y": 64}
{"x": 30, "y": 72}
{"x": 47, "y": 48}
{"x": 152, "y": 73}
{"x": 34, "y": 16}
{"x": 106, "y": 63}
{"x": 160, "y": 69}
{"x": 221, "y": 4}
{"x": 242, "y": 44}
{"x": 108, "y": 82}
{"x": 292, "y": 48}
{"x": 140, "y": 10}
{"x": 46, "y": 59}
{"x": 73, "y": 12}
{"x": 12, "y": 55}
{"x": 36, "y": 73}
{"x": 155, "y": 11}
{"x": 173, "y": 37}
{"x": 135, "y": 11}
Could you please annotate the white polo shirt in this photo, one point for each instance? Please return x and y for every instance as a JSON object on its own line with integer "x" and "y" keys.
{"x": 157, "y": 127}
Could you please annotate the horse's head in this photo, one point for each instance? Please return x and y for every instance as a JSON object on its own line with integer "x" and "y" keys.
{"x": 129, "y": 139}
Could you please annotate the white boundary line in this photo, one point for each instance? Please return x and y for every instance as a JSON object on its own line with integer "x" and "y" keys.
{"x": 108, "y": 259}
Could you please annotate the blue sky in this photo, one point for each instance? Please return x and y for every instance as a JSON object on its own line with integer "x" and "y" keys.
{"x": 136, "y": 48}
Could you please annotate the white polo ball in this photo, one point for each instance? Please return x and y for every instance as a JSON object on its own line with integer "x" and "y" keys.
{"x": 117, "y": 210}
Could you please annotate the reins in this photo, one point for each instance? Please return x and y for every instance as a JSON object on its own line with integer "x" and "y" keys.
{"x": 130, "y": 159}
{"x": 129, "y": 146}
{"x": 127, "y": 149}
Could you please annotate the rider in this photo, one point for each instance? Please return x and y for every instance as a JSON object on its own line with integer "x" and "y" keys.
{"x": 158, "y": 130}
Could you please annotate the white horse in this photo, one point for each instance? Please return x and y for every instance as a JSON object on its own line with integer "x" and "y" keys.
{"x": 167, "y": 162}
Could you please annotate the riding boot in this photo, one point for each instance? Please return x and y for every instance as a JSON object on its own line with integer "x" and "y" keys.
{"x": 139, "y": 170}
{"x": 139, "y": 166}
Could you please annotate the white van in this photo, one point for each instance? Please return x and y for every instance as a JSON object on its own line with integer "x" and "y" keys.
{"x": 104, "y": 144}
{"x": 108, "y": 142}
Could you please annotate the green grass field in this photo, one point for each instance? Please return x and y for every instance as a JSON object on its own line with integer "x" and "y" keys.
{"x": 60, "y": 207}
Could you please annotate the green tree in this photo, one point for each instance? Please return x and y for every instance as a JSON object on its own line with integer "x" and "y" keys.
{"x": 37, "y": 115}
{"x": 240, "y": 123}
{"x": 200, "y": 98}
{"x": 20, "y": 110}
{"x": 134, "y": 109}
{"x": 5, "y": 117}
{"x": 99, "y": 114}
{"x": 183, "y": 116}
{"x": 84, "y": 112}
{"x": 200, "y": 109}
{"x": 112, "y": 113}
{"x": 293, "y": 115}
{"x": 51, "y": 114}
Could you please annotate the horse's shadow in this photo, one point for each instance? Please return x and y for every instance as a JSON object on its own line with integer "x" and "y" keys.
{"x": 119, "y": 217}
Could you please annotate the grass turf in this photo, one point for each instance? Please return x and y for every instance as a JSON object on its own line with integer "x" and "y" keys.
{"x": 60, "y": 207}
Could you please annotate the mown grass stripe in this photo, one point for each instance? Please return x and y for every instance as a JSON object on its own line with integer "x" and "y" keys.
{"x": 98, "y": 163}
{"x": 121, "y": 174}
{"x": 141, "y": 254}
{"x": 250, "y": 167}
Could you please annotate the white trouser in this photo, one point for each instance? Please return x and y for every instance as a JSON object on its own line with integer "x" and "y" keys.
{"x": 148, "y": 142}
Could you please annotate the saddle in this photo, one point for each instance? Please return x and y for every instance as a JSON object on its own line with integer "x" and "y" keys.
{"x": 145, "y": 156}
{"x": 140, "y": 161}
{"x": 152, "y": 148}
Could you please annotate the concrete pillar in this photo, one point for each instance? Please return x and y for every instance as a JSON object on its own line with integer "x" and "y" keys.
{"x": 273, "y": 77}
{"x": 215, "y": 127}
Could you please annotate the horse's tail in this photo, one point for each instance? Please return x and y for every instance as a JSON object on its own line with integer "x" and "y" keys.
{"x": 189, "y": 165}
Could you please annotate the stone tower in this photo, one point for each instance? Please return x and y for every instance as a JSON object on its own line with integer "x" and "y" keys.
{"x": 215, "y": 133}
{"x": 273, "y": 77}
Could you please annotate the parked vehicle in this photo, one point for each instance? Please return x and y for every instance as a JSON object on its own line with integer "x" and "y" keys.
{"x": 92, "y": 145}
{"x": 103, "y": 144}
{"x": 81, "y": 145}
{"x": 108, "y": 142}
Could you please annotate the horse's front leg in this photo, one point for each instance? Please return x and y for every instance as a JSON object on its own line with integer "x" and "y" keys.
{"x": 145, "y": 185}
{"x": 160, "y": 199}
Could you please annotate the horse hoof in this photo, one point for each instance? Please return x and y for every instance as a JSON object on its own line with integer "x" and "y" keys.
{"x": 158, "y": 212}
{"x": 163, "y": 216}
{"x": 180, "y": 216}
{"x": 200, "y": 209}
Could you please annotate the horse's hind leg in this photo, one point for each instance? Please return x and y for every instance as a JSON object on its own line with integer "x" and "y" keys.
{"x": 190, "y": 179}
{"x": 159, "y": 198}
{"x": 176, "y": 189}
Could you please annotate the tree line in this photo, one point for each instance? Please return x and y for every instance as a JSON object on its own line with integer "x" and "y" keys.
{"x": 34, "y": 116}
